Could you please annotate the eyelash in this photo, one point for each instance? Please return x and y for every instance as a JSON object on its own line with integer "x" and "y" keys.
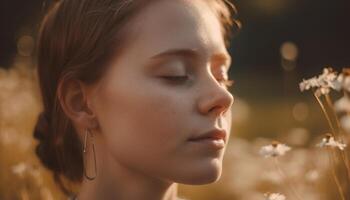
{"x": 179, "y": 79}
{"x": 228, "y": 82}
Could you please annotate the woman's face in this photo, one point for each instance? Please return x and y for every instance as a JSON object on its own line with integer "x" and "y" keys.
{"x": 147, "y": 116}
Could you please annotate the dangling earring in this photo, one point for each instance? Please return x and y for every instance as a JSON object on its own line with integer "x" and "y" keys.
{"x": 87, "y": 132}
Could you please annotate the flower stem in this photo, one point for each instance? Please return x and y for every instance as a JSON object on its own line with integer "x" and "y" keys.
{"x": 330, "y": 104}
{"x": 335, "y": 177}
{"x": 325, "y": 113}
{"x": 284, "y": 176}
{"x": 343, "y": 154}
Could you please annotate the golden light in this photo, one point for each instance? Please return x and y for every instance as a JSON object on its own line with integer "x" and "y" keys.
{"x": 289, "y": 51}
{"x": 300, "y": 111}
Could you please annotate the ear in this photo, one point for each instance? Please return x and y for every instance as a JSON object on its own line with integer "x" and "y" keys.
{"x": 72, "y": 95}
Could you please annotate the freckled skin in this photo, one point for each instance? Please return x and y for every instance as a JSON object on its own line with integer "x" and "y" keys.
{"x": 144, "y": 120}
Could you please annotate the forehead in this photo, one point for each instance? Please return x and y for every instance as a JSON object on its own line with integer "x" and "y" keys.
{"x": 165, "y": 24}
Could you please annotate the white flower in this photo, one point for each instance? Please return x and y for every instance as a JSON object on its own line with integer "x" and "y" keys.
{"x": 322, "y": 91}
{"x": 342, "y": 105}
{"x": 274, "y": 196}
{"x": 309, "y": 83}
{"x": 327, "y": 76}
{"x": 274, "y": 149}
{"x": 328, "y": 80}
{"x": 339, "y": 81}
{"x": 328, "y": 140}
{"x": 323, "y": 83}
{"x": 343, "y": 80}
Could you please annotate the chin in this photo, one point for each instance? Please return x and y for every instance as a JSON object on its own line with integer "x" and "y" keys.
{"x": 205, "y": 174}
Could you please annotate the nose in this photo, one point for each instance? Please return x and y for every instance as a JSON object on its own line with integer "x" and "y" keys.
{"x": 215, "y": 99}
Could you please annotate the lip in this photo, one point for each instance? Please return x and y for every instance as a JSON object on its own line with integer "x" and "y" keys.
{"x": 215, "y": 135}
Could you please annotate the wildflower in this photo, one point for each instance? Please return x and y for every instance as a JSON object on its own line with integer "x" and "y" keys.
{"x": 328, "y": 140}
{"x": 328, "y": 78}
{"x": 323, "y": 83}
{"x": 342, "y": 105}
{"x": 274, "y": 149}
{"x": 343, "y": 79}
{"x": 274, "y": 196}
{"x": 308, "y": 84}
{"x": 327, "y": 81}
{"x": 322, "y": 91}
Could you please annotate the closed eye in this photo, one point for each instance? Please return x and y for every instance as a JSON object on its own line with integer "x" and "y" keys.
{"x": 175, "y": 78}
{"x": 227, "y": 82}
{"x": 179, "y": 79}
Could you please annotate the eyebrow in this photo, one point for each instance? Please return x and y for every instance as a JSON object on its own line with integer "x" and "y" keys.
{"x": 177, "y": 52}
{"x": 193, "y": 53}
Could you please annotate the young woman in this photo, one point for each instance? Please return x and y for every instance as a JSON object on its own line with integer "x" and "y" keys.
{"x": 135, "y": 95}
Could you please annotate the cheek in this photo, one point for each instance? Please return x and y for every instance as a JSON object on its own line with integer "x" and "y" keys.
{"x": 144, "y": 119}
{"x": 228, "y": 120}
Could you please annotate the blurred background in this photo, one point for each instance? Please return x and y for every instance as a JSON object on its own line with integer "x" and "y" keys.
{"x": 281, "y": 42}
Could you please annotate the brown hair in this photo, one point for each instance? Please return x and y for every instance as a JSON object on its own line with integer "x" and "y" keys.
{"x": 76, "y": 40}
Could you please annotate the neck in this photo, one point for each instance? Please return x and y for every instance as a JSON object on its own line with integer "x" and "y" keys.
{"x": 115, "y": 181}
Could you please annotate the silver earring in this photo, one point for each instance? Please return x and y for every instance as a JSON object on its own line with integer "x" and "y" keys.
{"x": 88, "y": 134}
